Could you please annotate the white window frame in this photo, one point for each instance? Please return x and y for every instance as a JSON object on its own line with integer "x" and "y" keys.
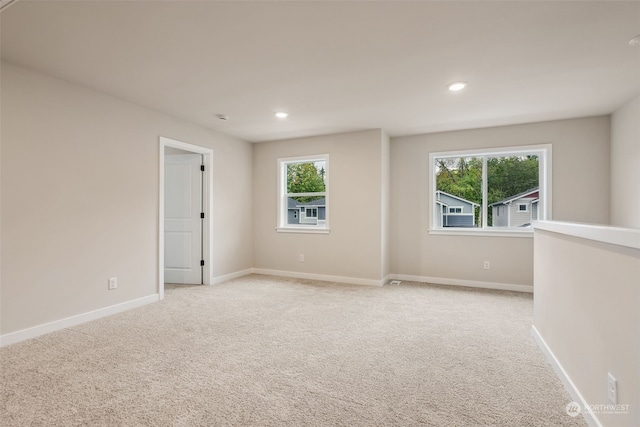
{"x": 455, "y": 207}
{"x": 526, "y": 207}
{"x": 544, "y": 153}
{"x": 282, "y": 225}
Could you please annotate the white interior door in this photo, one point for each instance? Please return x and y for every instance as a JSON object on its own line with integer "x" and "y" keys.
{"x": 182, "y": 220}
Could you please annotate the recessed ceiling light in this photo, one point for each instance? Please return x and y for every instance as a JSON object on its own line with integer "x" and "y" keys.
{"x": 635, "y": 41}
{"x": 282, "y": 115}
{"x": 456, "y": 86}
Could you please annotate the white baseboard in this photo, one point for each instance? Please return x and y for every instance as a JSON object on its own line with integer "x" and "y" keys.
{"x": 571, "y": 388}
{"x": 56, "y": 325}
{"x": 460, "y": 282}
{"x": 381, "y": 282}
{"x": 321, "y": 277}
{"x": 224, "y": 278}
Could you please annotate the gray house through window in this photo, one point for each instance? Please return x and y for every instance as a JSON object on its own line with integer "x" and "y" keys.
{"x": 516, "y": 211}
{"x": 454, "y": 211}
{"x": 313, "y": 212}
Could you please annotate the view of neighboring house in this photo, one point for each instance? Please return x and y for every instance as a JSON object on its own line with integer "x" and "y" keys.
{"x": 516, "y": 211}
{"x": 312, "y": 212}
{"x": 454, "y": 211}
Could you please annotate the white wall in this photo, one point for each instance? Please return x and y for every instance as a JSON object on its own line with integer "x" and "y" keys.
{"x": 80, "y": 198}
{"x": 580, "y": 193}
{"x": 587, "y": 311}
{"x": 354, "y": 247}
{"x": 625, "y": 165}
{"x": 385, "y": 186}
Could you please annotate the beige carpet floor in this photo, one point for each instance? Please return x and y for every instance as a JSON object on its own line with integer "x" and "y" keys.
{"x": 265, "y": 351}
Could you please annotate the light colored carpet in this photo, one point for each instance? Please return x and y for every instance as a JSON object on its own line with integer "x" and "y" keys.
{"x": 264, "y": 351}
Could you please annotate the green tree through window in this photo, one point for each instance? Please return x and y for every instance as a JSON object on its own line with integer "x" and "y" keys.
{"x": 305, "y": 178}
{"x": 506, "y": 176}
{"x": 303, "y": 194}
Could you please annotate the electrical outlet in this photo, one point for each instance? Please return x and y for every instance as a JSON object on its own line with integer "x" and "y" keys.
{"x": 612, "y": 388}
{"x": 113, "y": 283}
{"x": 301, "y": 258}
{"x": 487, "y": 265}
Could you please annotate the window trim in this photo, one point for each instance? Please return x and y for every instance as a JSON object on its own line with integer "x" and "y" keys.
{"x": 282, "y": 207}
{"x": 544, "y": 153}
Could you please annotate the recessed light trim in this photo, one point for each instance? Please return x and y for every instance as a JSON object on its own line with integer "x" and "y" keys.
{"x": 456, "y": 86}
{"x": 282, "y": 115}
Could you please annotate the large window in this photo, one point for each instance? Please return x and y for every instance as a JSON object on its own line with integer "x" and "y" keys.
{"x": 303, "y": 194}
{"x": 490, "y": 190}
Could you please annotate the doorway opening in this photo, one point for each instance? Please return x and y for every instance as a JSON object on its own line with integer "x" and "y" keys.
{"x": 184, "y": 215}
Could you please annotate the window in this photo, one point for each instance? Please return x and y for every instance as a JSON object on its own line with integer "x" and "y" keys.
{"x": 495, "y": 188}
{"x": 303, "y": 194}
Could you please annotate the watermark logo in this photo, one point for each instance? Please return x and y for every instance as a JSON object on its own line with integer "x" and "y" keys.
{"x": 573, "y": 409}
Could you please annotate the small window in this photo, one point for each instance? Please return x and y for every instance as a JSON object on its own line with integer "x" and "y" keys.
{"x": 523, "y": 207}
{"x": 455, "y": 209}
{"x": 303, "y": 194}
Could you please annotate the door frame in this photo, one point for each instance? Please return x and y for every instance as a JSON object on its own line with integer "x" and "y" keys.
{"x": 207, "y": 194}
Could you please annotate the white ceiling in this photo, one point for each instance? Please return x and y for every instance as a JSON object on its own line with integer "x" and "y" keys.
{"x": 338, "y": 66}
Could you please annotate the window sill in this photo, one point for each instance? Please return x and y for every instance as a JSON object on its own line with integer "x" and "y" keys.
{"x": 305, "y": 230}
{"x": 526, "y": 233}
